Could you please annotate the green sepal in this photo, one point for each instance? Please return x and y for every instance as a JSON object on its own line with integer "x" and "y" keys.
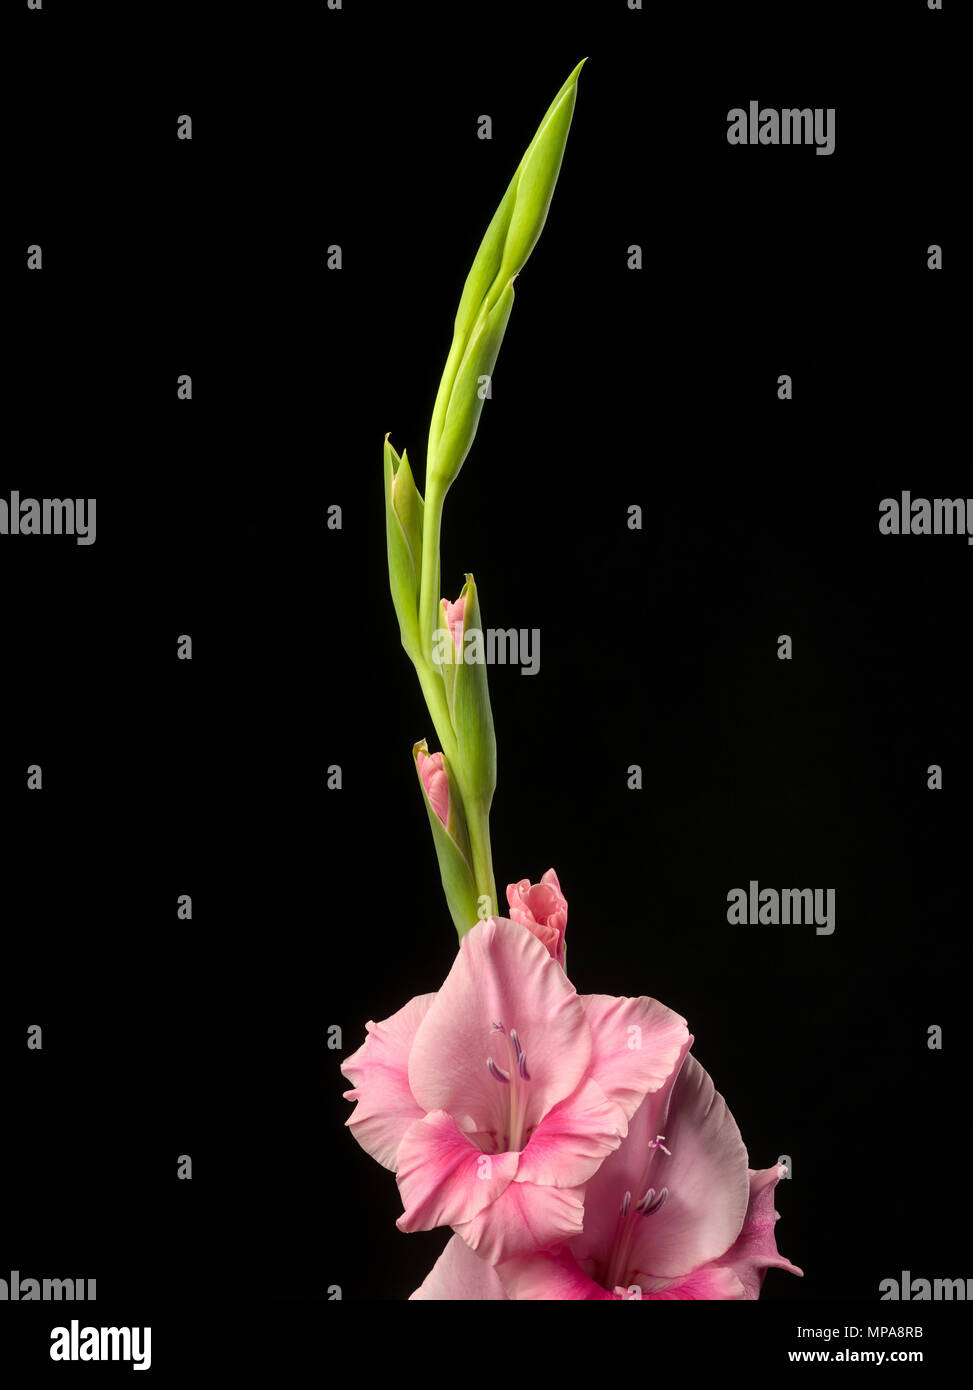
{"x": 403, "y": 532}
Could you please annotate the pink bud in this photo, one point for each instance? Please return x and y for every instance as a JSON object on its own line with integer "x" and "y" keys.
{"x": 455, "y": 613}
{"x": 435, "y": 783}
{"x": 543, "y": 909}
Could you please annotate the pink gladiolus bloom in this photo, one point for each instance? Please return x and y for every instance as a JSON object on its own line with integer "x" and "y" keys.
{"x": 674, "y": 1213}
{"x": 435, "y": 782}
{"x": 543, "y": 909}
{"x": 497, "y": 1099}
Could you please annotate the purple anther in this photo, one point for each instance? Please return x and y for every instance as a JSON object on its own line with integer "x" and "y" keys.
{"x": 650, "y": 1208}
{"x": 521, "y": 1055}
{"x": 496, "y": 1072}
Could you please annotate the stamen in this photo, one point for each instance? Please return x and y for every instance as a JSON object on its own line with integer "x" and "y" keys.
{"x": 645, "y": 1200}
{"x": 654, "y": 1206}
{"x": 516, "y": 1131}
{"x": 626, "y": 1203}
{"x": 521, "y": 1055}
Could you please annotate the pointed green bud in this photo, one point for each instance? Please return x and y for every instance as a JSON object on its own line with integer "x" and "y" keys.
{"x": 450, "y": 836}
{"x": 506, "y": 245}
{"x": 459, "y": 650}
{"x": 472, "y": 382}
{"x": 403, "y": 531}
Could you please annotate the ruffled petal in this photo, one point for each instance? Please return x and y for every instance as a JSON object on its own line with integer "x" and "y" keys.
{"x": 636, "y": 1045}
{"x": 524, "y": 1218}
{"x": 443, "y": 1178}
{"x": 379, "y": 1074}
{"x": 755, "y": 1249}
{"x": 573, "y": 1139}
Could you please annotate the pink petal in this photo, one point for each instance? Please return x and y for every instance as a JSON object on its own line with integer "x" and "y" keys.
{"x": 636, "y": 1045}
{"x": 542, "y": 909}
{"x": 560, "y": 1276}
{"x": 711, "y": 1282}
{"x": 549, "y": 1276}
{"x": 524, "y": 1218}
{"x": 435, "y": 782}
{"x": 444, "y": 1179}
{"x": 706, "y": 1177}
{"x": 755, "y": 1249}
{"x": 455, "y": 614}
{"x": 573, "y": 1139}
{"x": 378, "y": 1071}
{"x": 549, "y": 937}
{"x": 501, "y": 974}
{"x": 458, "y": 1274}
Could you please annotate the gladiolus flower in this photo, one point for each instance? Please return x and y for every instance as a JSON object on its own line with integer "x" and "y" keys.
{"x": 674, "y": 1213}
{"x": 496, "y": 1100}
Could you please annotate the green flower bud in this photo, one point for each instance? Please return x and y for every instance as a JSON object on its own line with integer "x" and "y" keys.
{"x": 468, "y": 393}
{"x": 506, "y": 245}
{"x": 461, "y": 655}
{"x": 450, "y": 837}
{"x": 403, "y": 530}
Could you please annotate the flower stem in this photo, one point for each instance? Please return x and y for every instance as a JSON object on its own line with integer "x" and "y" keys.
{"x": 478, "y": 825}
{"x": 429, "y": 595}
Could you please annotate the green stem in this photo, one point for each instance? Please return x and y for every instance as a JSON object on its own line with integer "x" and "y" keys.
{"x": 434, "y": 692}
{"x": 429, "y": 595}
{"x": 478, "y": 825}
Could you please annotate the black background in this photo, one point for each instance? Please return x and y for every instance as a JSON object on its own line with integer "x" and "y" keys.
{"x": 313, "y": 907}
